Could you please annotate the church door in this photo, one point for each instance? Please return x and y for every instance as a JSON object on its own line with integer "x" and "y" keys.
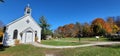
{"x": 29, "y": 37}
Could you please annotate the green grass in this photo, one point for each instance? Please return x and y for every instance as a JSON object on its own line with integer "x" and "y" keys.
{"x": 93, "y": 51}
{"x": 84, "y": 39}
{"x": 60, "y": 43}
{"x": 22, "y": 50}
{"x": 29, "y": 50}
{"x": 94, "y": 39}
{"x": 71, "y": 41}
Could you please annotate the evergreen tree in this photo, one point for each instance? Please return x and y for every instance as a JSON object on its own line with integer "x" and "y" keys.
{"x": 45, "y": 27}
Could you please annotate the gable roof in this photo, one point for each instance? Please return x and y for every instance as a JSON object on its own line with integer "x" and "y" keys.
{"x": 16, "y": 20}
{"x": 35, "y": 22}
{"x": 21, "y": 19}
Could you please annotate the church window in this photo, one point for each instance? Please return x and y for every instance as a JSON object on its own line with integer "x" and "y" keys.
{"x": 27, "y": 21}
{"x": 15, "y": 33}
{"x": 29, "y": 31}
{"x": 35, "y": 33}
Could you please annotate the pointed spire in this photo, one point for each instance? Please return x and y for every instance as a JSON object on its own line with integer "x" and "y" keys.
{"x": 28, "y": 5}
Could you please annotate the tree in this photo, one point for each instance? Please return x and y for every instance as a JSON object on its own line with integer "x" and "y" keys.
{"x": 69, "y": 31}
{"x": 1, "y": 30}
{"x": 45, "y": 27}
{"x": 107, "y": 28}
{"x": 117, "y": 21}
{"x": 57, "y": 34}
{"x": 1, "y": 0}
{"x": 60, "y": 31}
{"x": 1, "y": 26}
{"x": 98, "y": 26}
{"x": 112, "y": 24}
{"x": 66, "y": 30}
{"x": 110, "y": 20}
{"x": 86, "y": 30}
{"x": 79, "y": 29}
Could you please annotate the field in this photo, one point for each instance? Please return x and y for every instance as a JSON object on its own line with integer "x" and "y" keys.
{"x": 71, "y": 41}
{"x": 29, "y": 50}
{"x": 94, "y": 51}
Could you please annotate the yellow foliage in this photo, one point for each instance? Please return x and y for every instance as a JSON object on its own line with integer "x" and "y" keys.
{"x": 115, "y": 28}
{"x": 1, "y": 34}
{"x": 17, "y": 41}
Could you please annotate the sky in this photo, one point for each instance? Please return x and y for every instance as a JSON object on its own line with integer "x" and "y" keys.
{"x": 60, "y": 12}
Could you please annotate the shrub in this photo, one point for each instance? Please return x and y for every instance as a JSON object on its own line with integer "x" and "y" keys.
{"x": 17, "y": 42}
{"x": 1, "y": 36}
{"x": 113, "y": 37}
{"x": 36, "y": 38}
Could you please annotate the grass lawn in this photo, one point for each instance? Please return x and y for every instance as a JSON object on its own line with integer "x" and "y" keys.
{"x": 93, "y": 51}
{"x": 60, "y": 43}
{"x": 84, "y": 39}
{"x": 71, "y": 41}
{"x": 22, "y": 50}
{"x": 29, "y": 50}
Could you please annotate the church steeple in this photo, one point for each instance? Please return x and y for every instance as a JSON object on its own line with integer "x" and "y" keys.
{"x": 27, "y": 10}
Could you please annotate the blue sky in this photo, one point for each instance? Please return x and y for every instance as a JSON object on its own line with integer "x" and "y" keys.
{"x": 60, "y": 12}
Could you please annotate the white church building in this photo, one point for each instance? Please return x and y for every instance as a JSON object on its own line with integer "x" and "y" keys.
{"x": 23, "y": 30}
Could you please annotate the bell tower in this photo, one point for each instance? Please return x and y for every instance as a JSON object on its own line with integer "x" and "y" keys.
{"x": 27, "y": 10}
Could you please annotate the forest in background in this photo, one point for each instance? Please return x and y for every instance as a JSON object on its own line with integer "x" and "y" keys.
{"x": 98, "y": 27}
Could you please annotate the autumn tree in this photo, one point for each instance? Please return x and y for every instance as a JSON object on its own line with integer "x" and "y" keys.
{"x": 57, "y": 33}
{"x": 78, "y": 29}
{"x": 60, "y": 32}
{"x": 68, "y": 30}
{"x": 112, "y": 24}
{"x": 86, "y": 30}
{"x": 1, "y": 30}
{"x": 1, "y": 26}
{"x": 99, "y": 26}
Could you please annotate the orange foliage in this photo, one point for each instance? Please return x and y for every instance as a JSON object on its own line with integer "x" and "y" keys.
{"x": 99, "y": 21}
{"x": 108, "y": 28}
{"x": 71, "y": 25}
{"x": 67, "y": 30}
{"x": 103, "y": 24}
{"x": 1, "y": 34}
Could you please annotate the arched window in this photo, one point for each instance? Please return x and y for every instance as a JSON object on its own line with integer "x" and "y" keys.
{"x": 35, "y": 33}
{"x": 15, "y": 33}
{"x": 29, "y": 31}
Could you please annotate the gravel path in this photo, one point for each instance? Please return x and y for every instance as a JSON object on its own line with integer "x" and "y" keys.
{"x": 84, "y": 45}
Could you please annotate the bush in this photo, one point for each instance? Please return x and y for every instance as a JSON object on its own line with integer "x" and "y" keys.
{"x": 36, "y": 38}
{"x": 113, "y": 37}
{"x": 1, "y": 36}
{"x": 17, "y": 42}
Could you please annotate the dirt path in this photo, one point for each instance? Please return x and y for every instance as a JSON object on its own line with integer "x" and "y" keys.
{"x": 84, "y": 45}
{"x": 56, "y": 52}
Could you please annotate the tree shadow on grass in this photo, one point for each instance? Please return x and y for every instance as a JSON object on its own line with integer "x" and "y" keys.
{"x": 110, "y": 46}
{"x": 2, "y": 48}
